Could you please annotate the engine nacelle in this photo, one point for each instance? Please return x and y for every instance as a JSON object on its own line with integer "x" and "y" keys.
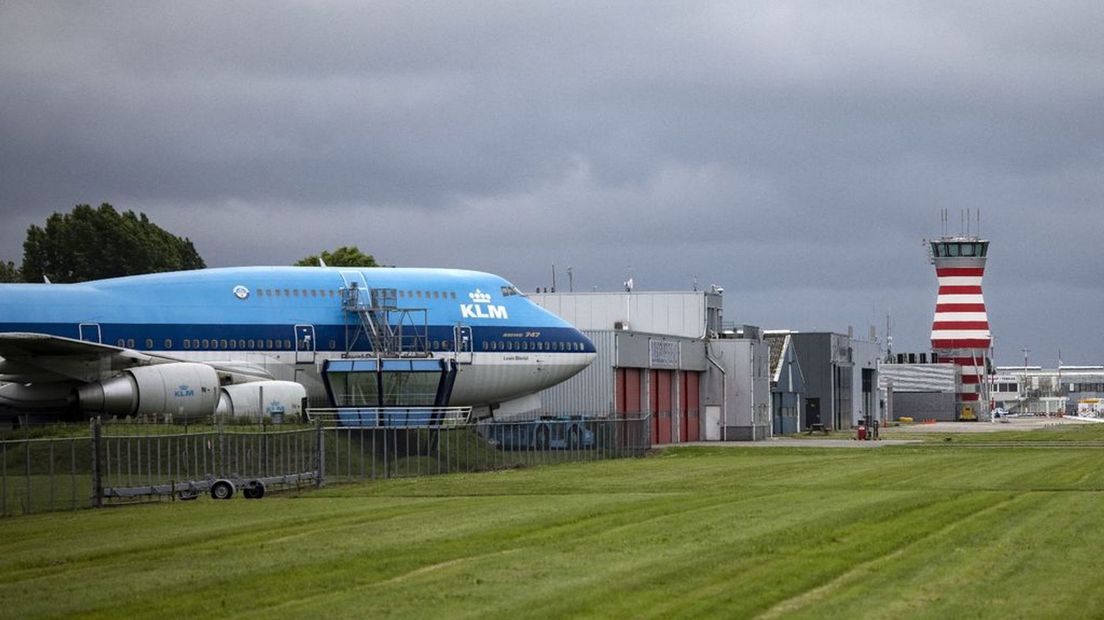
{"x": 279, "y": 399}
{"x": 182, "y": 388}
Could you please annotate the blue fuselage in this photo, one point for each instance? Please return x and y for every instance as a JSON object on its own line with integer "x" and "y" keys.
{"x": 258, "y": 308}
{"x": 287, "y": 321}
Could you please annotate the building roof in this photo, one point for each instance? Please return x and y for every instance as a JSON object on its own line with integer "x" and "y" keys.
{"x": 776, "y": 342}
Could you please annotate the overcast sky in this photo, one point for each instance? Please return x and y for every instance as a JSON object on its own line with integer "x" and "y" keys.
{"x": 792, "y": 152}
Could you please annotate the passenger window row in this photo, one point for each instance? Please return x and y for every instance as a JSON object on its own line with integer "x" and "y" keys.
{"x": 525, "y": 345}
{"x": 221, "y": 344}
{"x": 426, "y": 294}
{"x": 296, "y": 292}
{"x": 331, "y": 293}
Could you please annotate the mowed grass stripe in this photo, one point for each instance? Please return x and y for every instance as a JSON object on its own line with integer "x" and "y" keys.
{"x": 700, "y": 532}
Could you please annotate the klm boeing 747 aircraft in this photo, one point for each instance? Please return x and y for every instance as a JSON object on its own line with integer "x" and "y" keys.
{"x": 253, "y": 340}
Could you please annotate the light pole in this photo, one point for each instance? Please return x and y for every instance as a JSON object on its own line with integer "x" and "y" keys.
{"x": 1023, "y": 383}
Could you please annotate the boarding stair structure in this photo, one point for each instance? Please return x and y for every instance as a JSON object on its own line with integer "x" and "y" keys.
{"x": 392, "y": 332}
{"x": 396, "y": 381}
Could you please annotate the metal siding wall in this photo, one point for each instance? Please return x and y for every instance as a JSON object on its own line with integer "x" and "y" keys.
{"x": 632, "y": 350}
{"x": 924, "y": 406}
{"x": 693, "y": 355}
{"x": 918, "y": 377}
{"x": 675, "y": 313}
{"x": 591, "y": 391}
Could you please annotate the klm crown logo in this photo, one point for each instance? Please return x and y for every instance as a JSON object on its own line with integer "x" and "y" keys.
{"x": 183, "y": 391}
{"x": 480, "y": 297}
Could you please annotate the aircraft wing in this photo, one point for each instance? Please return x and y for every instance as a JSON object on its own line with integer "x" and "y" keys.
{"x": 21, "y": 345}
{"x": 30, "y": 357}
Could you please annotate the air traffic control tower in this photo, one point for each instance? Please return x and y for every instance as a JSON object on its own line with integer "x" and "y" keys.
{"x": 960, "y": 329}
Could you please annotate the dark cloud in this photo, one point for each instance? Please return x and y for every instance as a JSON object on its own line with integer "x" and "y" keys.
{"x": 794, "y": 154}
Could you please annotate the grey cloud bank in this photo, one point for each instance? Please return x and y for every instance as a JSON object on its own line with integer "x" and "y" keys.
{"x": 794, "y": 154}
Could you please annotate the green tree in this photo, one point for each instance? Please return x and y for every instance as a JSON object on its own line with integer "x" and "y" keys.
{"x": 9, "y": 272}
{"x": 89, "y": 244}
{"x": 344, "y": 256}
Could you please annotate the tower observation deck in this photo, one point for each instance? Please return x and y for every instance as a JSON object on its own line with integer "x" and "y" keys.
{"x": 960, "y": 330}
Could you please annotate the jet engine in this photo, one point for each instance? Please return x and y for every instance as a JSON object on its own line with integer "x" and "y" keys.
{"x": 276, "y": 399}
{"x": 187, "y": 389}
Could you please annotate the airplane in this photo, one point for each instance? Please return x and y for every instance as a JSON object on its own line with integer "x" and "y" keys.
{"x": 257, "y": 340}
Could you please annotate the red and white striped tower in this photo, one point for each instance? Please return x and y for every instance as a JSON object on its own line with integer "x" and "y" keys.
{"x": 960, "y": 331}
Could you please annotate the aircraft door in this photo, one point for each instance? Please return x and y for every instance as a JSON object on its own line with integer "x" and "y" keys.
{"x": 89, "y": 332}
{"x": 355, "y": 279}
{"x": 462, "y": 336}
{"x": 304, "y": 344}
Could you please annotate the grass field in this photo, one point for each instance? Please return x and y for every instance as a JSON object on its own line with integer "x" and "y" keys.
{"x": 917, "y": 531}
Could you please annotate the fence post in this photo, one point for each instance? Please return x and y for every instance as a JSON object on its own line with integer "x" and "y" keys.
{"x": 97, "y": 463}
{"x": 320, "y": 448}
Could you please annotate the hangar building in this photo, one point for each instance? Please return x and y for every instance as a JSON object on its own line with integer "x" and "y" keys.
{"x": 667, "y": 355}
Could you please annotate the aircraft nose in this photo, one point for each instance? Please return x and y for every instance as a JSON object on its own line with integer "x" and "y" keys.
{"x": 589, "y": 353}
{"x": 588, "y": 344}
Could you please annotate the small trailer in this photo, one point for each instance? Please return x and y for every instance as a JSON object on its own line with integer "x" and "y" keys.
{"x": 218, "y": 488}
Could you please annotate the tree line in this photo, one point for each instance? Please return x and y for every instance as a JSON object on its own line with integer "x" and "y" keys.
{"x": 94, "y": 243}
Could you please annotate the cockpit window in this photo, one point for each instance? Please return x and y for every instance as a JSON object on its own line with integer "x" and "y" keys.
{"x": 510, "y": 290}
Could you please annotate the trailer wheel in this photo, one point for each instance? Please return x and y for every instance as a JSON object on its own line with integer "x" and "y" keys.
{"x": 254, "y": 490}
{"x": 222, "y": 489}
